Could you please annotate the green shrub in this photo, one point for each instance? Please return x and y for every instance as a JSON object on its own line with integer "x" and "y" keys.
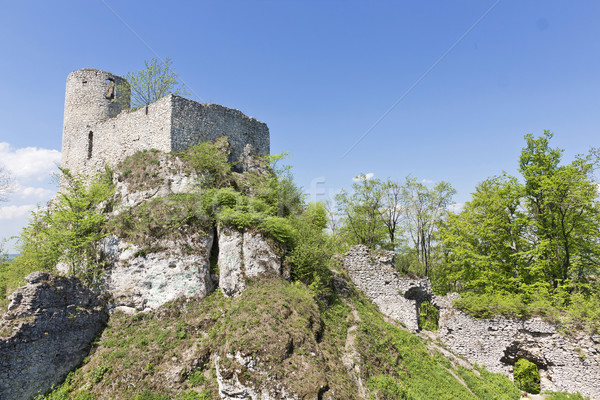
{"x": 97, "y": 374}
{"x": 527, "y": 376}
{"x": 429, "y": 316}
{"x": 564, "y": 396}
{"x": 210, "y": 159}
{"x": 148, "y": 395}
{"x": 279, "y": 229}
{"x": 196, "y": 378}
{"x": 387, "y": 388}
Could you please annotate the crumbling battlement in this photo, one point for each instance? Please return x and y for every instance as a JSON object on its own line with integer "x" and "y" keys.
{"x": 99, "y": 128}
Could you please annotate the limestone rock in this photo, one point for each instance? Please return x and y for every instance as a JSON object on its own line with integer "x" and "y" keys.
{"x": 260, "y": 256}
{"x": 231, "y": 277}
{"x": 46, "y": 332}
{"x": 138, "y": 281}
{"x": 171, "y": 177}
{"x": 245, "y": 255}
{"x": 232, "y": 388}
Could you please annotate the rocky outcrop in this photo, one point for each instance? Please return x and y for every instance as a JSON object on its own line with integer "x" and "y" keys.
{"x": 46, "y": 332}
{"x": 373, "y": 273}
{"x": 232, "y": 388}
{"x": 169, "y": 176}
{"x": 566, "y": 362}
{"x": 138, "y": 281}
{"x": 245, "y": 255}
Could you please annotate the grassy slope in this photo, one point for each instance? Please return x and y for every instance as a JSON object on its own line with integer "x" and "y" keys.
{"x": 169, "y": 354}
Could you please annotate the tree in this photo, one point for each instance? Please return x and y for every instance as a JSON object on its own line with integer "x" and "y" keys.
{"x": 424, "y": 208}
{"x": 533, "y": 237}
{"x": 153, "y": 82}
{"x": 69, "y": 230}
{"x": 564, "y": 212}
{"x": 392, "y": 211}
{"x": 361, "y": 212}
{"x": 486, "y": 240}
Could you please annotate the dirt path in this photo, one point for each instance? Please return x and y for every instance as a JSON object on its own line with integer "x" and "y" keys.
{"x": 351, "y": 357}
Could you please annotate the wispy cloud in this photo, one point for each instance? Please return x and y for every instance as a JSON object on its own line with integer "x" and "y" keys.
{"x": 33, "y": 193}
{"x": 427, "y": 181}
{"x": 14, "y": 212}
{"x": 29, "y": 162}
{"x": 365, "y": 177}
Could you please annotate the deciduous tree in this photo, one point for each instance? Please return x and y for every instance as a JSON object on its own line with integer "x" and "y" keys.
{"x": 153, "y": 82}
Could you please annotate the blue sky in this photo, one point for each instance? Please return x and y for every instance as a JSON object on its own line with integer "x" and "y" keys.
{"x": 320, "y": 74}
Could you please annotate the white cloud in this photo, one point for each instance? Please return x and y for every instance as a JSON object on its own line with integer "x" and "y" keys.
{"x": 456, "y": 207}
{"x": 427, "y": 181}
{"x": 366, "y": 177}
{"x": 14, "y": 212}
{"x": 38, "y": 193}
{"x": 29, "y": 162}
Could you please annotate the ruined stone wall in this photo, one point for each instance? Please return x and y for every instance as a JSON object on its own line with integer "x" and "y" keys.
{"x": 116, "y": 138}
{"x": 374, "y": 274}
{"x": 194, "y": 122}
{"x": 100, "y": 129}
{"x": 568, "y": 363}
{"x": 46, "y": 332}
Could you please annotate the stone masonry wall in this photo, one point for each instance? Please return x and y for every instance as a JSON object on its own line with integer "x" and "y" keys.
{"x": 100, "y": 129}
{"x": 193, "y": 122}
{"x": 116, "y": 138}
{"x": 566, "y": 363}
{"x": 46, "y": 332}
{"x": 374, "y": 274}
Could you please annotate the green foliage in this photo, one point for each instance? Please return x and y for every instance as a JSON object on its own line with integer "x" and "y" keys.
{"x": 211, "y": 160}
{"x": 170, "y": 217}
{"x": 487, "y": 385}
{"x": 97, "y": 374}
{"x": 527, "y": 376}
{"x": 386, "y": 388}
{"x": 404, "y": 218}
{"x": 429, "y": 316}
{"x": 196, "y": 378}
{"x": 564, "y": 396}
{"x": 68, "y": 231}
{"x": 397, "y": 363}
{"x": 361, "y": 211}
{"x": 311, "y": 254}
{"x": 527, "y": 248}
{"x": 153, "y": 82}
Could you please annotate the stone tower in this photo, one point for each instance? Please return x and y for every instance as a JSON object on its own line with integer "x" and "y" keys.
{"x": 100, "y": 129}
{"x": 91, "y": 96}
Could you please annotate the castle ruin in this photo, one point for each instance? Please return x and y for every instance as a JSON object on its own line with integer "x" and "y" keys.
{"x": 100, "y": 128}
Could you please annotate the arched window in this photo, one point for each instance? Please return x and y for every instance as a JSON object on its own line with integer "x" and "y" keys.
{"x": 110, "y": 89}
{"x": 90, "y": 144}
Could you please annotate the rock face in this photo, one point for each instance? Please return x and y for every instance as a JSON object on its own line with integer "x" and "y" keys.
{"x": 138, "y": 281}
{"x": 231, "y": 388}
{"x": 244, "y": 255}
{"x": 46, "y": 332}
{"x": 170, "y": 177}
{"x": 566, "y": 363}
